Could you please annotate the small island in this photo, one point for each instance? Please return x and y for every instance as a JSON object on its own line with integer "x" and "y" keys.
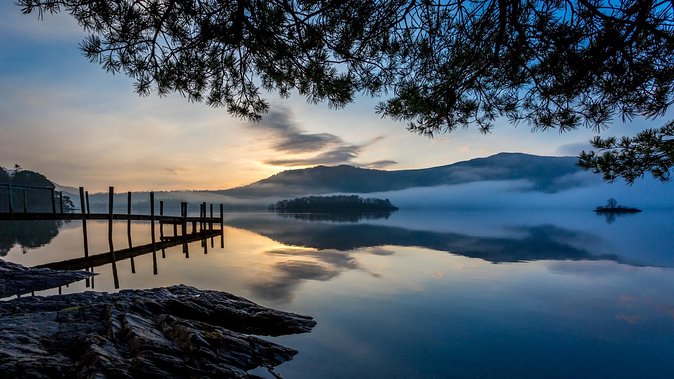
{"x": 337, "y": 203}
{"x": 613, "y": 207}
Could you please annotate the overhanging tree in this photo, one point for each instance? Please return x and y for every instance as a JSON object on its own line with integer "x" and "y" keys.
{"x": 442, "y": 64}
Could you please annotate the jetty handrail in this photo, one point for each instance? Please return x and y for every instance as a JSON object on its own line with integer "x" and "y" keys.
{"x": 12, "y": 185}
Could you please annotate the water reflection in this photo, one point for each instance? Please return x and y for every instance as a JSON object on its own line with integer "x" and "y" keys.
{"x": 611, "y": 217}
{"x": 528, "y": 243}
{"x": 27, "y": 234}
{"x": 392, "y": 302}
{"x": 294, "y": 266}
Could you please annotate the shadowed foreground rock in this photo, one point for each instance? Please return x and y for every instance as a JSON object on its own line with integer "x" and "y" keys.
{"x": 17, "y": 280}
{"x": 169, "y": 332}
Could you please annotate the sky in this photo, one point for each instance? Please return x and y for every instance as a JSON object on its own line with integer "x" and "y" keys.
{"x": 80, "y": 126}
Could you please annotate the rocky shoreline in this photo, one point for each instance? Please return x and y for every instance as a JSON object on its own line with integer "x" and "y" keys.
{"x": 16, "y": 279}
{"x": 171, "y": 332}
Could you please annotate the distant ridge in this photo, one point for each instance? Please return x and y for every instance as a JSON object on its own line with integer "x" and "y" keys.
{"x": 545, "y": 173}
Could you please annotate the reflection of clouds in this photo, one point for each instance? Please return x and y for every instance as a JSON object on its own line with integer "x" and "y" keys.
{"x": 588, "y": 268}
{"x": 332, "y": 257}
{"x": 301, "y": 265}
{"x": 635, "y": 309}
{"x": 631, "y": 319}
{"x": 668, "y": 309}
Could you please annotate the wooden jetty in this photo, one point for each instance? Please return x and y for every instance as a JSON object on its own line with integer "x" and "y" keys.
{"x": 202, "y": 228}
{"x": 96, "y": 260}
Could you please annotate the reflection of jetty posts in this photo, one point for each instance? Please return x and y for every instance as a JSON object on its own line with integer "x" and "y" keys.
{"x": 203, "y": 232}
{"x": 105, "y": 258}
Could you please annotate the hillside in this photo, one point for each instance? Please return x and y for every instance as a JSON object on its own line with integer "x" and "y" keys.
{"x": 546, "y": 174}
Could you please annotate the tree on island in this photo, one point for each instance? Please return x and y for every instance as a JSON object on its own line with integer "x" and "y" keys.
{"x": 611, "y": 203}
{"x": 337, "y": 203}
{"x": 613, "y": 207}
{"x": 444, "y": 64}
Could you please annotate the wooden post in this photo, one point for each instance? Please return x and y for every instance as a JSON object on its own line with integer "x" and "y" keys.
{"x": 128, "y": 204}
{"x": 86, "y": 195}
{"x": 183, "y": 208}
{"x": 9, "y": 196}
{"x": 203, "y": 216}
{"x": 183, "y": 214}
{"x": 53, "y": 201}
{"x": 111, "y": 199}
{"x": 128, "y": 229}
{"x": 222, "y": 227}
{"x": 161, "y": 227}
{"x": 152, "y": 206}
{"x": 25, "y": 201}
{"x": 83, "y": 206}
{"x": 154, "y": 250}
{"x": 61, "y": 201}
{"x": 210, "y": 222}
{"x": 84, "y": 223}
{"x": 161, "y": 213}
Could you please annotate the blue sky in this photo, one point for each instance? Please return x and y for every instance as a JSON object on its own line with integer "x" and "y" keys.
{"x": 67, "y": 118}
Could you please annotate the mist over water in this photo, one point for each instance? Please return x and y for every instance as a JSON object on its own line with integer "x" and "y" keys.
{"x": 645, "y": 194}
{"x": 514, "y": 293}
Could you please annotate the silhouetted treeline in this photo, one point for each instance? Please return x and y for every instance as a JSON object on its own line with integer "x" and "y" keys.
{"x": 36, "y": 199}
{"x": 337, "y": 203}
{"x": 349, "y": 216}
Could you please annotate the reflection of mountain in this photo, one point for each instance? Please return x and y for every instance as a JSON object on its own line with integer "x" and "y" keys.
{"x": 28, "y": 234}
{"x": 544, "y": 242}
{"x": 330, "y": 248}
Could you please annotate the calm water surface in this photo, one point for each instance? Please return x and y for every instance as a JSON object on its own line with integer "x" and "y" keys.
{"x": 491, "y": 294}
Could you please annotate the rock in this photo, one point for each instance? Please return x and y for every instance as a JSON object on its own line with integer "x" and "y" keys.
{"x": 17, "y": 280}
{"x": 169, "y": 332}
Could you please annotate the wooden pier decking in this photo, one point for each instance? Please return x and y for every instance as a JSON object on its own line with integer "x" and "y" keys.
{"x": 202, "y": 228}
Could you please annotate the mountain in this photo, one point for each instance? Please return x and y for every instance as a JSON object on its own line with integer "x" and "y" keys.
{"x": 545, "y": 174}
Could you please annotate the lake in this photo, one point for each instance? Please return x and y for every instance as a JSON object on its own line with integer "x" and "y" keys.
{"x": 421, "y": 294}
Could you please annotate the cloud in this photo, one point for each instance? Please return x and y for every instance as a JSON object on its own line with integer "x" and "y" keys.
{"x": 379, "y": 164}
{"x": 573, "y": 148}
{"x": 291, "y": 139}
{"x": 338, "y": 155}
{"x": 327, "y": 148}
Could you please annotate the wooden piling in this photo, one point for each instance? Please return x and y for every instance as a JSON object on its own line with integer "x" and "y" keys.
{"x": 210, "y": 222}
{"x": 155, "y": 271}
{"x": 53, "y": 201}
{"x": 111, "y": 197}
{"x": 222, "y": 226}
{"x": 202, "y": 215}
{"x": 161, "y": 227}
{"x": 9, "y": 196}
{"x": 86, "y": 195}
{"x": 128, "y": 230}
{"x": 84, "y": 224}
{"x": 61, "y": 201}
